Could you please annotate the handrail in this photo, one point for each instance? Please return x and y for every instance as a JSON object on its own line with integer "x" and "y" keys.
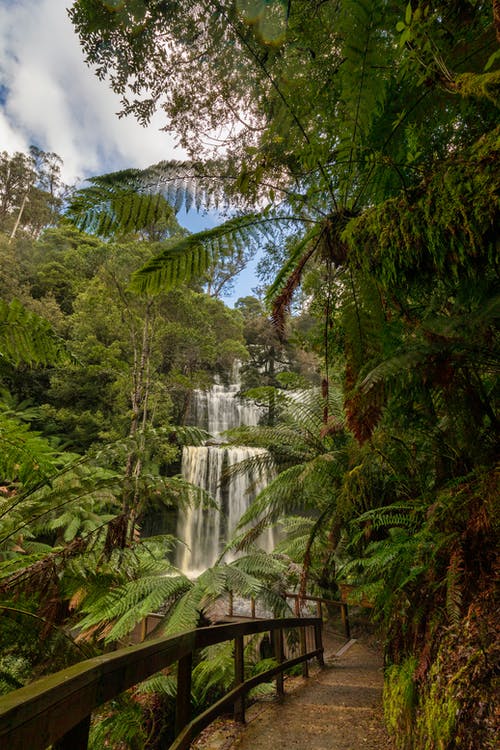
{"x": 299, "y": 599}
{"x": 56, "y": 709}
{"x": 342, "y": 605}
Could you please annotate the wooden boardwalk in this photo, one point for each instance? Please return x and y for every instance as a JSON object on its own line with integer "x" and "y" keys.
{"x": 336, "y": 708}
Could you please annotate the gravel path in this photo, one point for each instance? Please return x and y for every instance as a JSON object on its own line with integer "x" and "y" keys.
{"x": 336, "y": 708}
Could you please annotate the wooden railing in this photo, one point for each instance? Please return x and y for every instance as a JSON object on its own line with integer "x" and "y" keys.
{"x": 299, "y": 602}
{"x": 56, "y": 710}
{"x": 320, "y": 604}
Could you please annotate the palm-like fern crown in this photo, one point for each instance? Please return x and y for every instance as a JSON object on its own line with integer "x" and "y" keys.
{"x": 327, "y": 95}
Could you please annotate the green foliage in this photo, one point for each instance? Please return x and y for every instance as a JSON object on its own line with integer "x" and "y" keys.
{"x": 370, "y": 135}
{"x": 14, "y": 672}
{"x": 437, "y": 719}
{"x": 26, "y": 458}
{"x": 109, "y": 207}
{"x": 214, "y": 674}
{"x": 400, "y": 698}
{"x": 444, "y": 227}
{"x": 121, "y": 723}
{"x": 190, "y": 257}
{"x": 143, "y": 588}
{"x": 26, "y": 337}
{"x": 31, "y": 191}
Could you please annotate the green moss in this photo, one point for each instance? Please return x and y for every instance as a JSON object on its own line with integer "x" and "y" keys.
{"x": 400, "y": 697}
{"x": 481, "y": 85}
{"x": 437, "y": 714}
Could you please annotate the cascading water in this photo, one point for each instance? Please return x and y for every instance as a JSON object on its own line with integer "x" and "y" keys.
{"x": 220, "y": 409}
{"x": 205, "y": 531}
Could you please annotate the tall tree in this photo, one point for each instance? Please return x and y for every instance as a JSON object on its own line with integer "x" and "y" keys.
{"x": 31, "y": 191}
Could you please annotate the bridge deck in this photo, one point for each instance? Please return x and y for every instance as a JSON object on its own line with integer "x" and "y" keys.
{"x": 336, "y": 708}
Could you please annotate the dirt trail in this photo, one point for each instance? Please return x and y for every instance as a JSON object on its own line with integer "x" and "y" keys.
{"x": 336, "y": 708}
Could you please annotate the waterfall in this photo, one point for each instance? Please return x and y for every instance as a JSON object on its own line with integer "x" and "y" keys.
{"x": 220, "y": 409}
{"x": 204, "y": 532}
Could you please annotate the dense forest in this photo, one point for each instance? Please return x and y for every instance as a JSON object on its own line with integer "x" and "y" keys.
{"x": 353, "y": 145}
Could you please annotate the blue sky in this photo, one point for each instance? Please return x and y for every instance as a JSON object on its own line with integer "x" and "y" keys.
{"x": 50, "y": 98}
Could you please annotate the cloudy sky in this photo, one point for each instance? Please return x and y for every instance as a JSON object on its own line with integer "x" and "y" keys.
{"x": 51, "y": 99}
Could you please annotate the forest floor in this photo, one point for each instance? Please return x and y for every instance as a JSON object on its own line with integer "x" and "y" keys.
{"x": 338, "y": 707}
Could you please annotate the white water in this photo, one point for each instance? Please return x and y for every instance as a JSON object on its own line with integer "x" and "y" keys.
{"x": 205, "y": 532}
{"x": 219, "y": 409}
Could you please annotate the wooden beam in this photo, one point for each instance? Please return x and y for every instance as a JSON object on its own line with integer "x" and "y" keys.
{"x": 183, "y": 699}
{"x": 279, "y": 656}
{"x": 239, "y": 678}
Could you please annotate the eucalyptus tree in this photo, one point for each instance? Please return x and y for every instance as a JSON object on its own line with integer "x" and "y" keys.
{"x": 31, "y": 191}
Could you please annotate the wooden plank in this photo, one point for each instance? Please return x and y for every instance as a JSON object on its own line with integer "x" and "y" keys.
{"x": 346, "y": 647}
{"x": 38, "y": 714}
{"x": 76, "y": 739}
{"x": 318, "y": 638}
{"x": 303, "y": 650}
{"x": 345, "y": 620}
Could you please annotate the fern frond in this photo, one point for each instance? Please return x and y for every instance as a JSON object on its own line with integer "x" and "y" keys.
{"x": 215, "y": 671}
{"x": 127, "y": 604}
{"x": 365, "y": 49}
{"x": 454, "y": 576}
{"x": 106, "y": 210}
{"x": 280, "y": 293}
{"x": 160, "y": 683}
{"x": 26, "y": 337}
{"x": 191, "y": 256}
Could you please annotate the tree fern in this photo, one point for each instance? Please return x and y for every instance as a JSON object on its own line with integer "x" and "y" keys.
{"x": 188, "y": 184}
{"x": 108, "y": 209}
{"x": 366, "y": 50}
{"x": 26, "y": 458}
{"x": 26, "y": 337}
{"x": 191, "y": 256}
{"x": 115, "y": 612}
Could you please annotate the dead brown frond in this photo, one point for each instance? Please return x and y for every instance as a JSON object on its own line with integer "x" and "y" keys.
{"x": 117, "y": 535}
{"x": 281, "y": 304}
{"x": 36, "y": 577}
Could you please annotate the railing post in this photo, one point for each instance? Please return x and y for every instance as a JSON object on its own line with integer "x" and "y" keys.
{"x": 231, "y": 604}
{"x": 252, "y": 607}
{"x": 278, "y": 654}
{"x": 239, "y": 677}
{"x": 303, "y": 650}
{"x": 318, "y": 639}
{"x": 345, "y": 620}
{"x": 183, "y": 700}
{"x": 76, "y": 739}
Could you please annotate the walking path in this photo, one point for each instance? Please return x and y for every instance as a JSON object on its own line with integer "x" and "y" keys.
{"x": 336, "y": 708}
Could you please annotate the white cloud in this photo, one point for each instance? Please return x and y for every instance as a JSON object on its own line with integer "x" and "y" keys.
{"x": 50, "y": 98}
